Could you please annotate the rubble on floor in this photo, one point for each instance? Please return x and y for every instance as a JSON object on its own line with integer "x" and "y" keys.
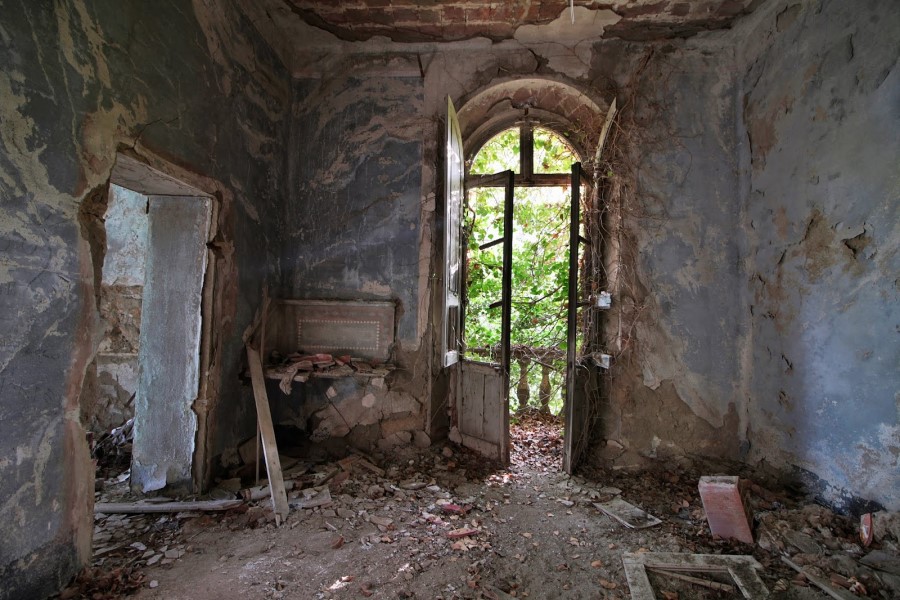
{"x": 112, "y": 450}
{"x": 445, "y": 523}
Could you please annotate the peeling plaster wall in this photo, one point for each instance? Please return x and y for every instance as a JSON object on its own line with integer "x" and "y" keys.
{"x": 676, "y": 328}
{"x": 748, "y": 246}
{"x": 821, "y": 107}
{"x": 191, "y": 84}
{"x": 353, "y": 220}
{"x": 353, "y": 227}
{"x": 685, "y": 393}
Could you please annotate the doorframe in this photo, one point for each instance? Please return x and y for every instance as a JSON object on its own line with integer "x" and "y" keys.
{"x": 527, "y": 178}
{"x": 139, "y": 176}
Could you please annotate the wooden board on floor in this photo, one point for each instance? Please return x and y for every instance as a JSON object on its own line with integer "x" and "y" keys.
{"x": 134, "y": 508}
{"x": 627, "y": 514}
{"x": 267, "y": 431}
{"x": 742, "y": 570}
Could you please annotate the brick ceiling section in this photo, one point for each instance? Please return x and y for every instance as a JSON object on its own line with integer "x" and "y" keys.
{"x": 429, "y": 20}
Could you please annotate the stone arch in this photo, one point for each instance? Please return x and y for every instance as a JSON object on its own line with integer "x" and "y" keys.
{"x": 554, "y": 104}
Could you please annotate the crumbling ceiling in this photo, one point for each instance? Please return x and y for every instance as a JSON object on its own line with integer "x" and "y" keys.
{"x": 432, "y": 21}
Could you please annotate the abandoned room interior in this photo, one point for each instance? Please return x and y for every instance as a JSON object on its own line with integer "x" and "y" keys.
{"x": 462, "y": 299}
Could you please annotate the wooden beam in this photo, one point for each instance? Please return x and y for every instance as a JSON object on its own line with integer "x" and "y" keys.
{"x": 536, "y": 180}
{"x": 270, "y": 448}
{"x": 714, "y": 585}
{"x": 604, "y": 131}
{"x": 526, "y": 150}
{"x": 490, "y": 244}
{"x": 135, "y": 508}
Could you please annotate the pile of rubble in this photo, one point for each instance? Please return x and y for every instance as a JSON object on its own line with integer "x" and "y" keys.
{"x": 445, "y": 523}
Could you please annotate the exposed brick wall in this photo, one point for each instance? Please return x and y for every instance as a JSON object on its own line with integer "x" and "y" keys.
{"x": 425, "y": 20}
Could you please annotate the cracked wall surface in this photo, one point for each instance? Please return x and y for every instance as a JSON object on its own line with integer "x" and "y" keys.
{"x": 188, "y": 87}
{"x": 755, "y": 311}
{"x": 676, "y": 327}
{"x": 354, "y": 231}
{"x": 820, "y": 98}
{"x": 353, "y": 220}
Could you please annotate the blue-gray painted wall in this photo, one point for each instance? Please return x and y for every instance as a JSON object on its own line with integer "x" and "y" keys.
{"x": 352, "y": 228}
{"x": 190, "y": 82}
{"x": 821, "y": 108}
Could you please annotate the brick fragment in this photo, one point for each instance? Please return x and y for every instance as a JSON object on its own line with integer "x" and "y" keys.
{"x": 725, "y": 502}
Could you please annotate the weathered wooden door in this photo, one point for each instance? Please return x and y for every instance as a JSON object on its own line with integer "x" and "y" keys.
{"x": 483, "y": 410}
{"x": 480, "y": 411}
{"x": 454, "y": 187}
{"x": 482, "y": 399}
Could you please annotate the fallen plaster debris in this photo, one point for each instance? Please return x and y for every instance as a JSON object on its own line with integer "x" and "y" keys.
{"x": 323, "y": 498}
{"x": 822, "y": 584}
{"x": 370, "y": 510}
{"x": 627, "y": 514}
{"x": 262, "y": 491}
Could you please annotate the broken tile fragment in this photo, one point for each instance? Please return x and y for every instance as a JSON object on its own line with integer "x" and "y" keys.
{"x": 726, "y": 507}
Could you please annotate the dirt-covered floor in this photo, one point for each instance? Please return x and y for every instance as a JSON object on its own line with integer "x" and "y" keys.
{"x": 444, "y": 523}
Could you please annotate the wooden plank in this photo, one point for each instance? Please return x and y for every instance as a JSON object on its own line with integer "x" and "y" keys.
{"x": 264, "y": 321}
{"x": 638, "y": 581}
{"x": 713, "y": 585}
{"x": 674, "y": 561}
{"x": 471, "y": 414}
{"x": 493, "y": 413}
{"x": 748, "y": 581}
{"x": 825, "y": 586}
{"x": 134, "y": 508}
{"x": 262, "y": 351}
{"x": 270, "y": 448}
{"x": 627, "y": 514}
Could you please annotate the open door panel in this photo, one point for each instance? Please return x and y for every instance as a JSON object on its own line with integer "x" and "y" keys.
{"x": 483, "y": 410}
{"x": 454, "y": 183}
{"x": 577, "y": 426}
{"x": 480, "y": 409}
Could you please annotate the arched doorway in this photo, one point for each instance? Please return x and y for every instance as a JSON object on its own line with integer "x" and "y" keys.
{"x": 542, "y": 161}
{"x": 480, "y": 407}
